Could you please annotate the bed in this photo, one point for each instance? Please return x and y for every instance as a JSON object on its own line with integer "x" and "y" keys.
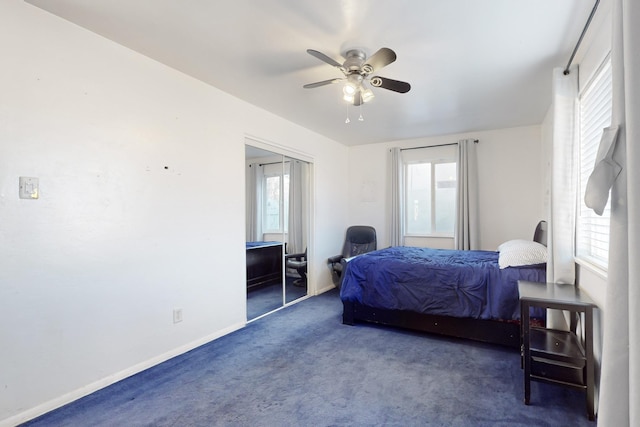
{"x": 465, "y": 294}
{"x": 264, "y": 264}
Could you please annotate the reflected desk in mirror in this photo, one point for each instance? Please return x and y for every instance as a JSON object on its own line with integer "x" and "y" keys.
{"x": 264, "y": 264}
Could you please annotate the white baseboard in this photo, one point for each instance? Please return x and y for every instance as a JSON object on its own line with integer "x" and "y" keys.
{"x": 112, "y": 379}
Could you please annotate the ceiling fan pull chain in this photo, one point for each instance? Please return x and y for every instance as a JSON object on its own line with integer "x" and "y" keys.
{"x": 348, "y": 120}
{"x": 361, "y": 118}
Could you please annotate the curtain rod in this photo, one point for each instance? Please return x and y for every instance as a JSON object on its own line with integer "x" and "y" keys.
{"x": 584, "y": 31}
{"x": 433, "y": 146}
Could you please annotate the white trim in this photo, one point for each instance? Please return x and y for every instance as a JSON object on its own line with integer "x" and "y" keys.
{"x": 592, "y": 267}
{"x": 595, "y": 75}
{"x": 277, "y": 148}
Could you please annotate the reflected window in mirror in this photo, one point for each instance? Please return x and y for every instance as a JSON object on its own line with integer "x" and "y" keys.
{"x": 275, "y": 196}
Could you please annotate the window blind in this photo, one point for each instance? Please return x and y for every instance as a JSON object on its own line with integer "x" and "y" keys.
{"x": 595, "y": 106}
{"x": 430, "y": 191}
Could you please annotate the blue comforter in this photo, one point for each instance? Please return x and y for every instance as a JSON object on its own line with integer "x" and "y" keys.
{"x": 437, "y": 281}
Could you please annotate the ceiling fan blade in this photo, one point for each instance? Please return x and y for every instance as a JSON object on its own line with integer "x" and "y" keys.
{"x": 322, "y": 57}
{"x": 322, "y": 83}
{"x": 381, "y": 58}
{"x": 390, "y": 84}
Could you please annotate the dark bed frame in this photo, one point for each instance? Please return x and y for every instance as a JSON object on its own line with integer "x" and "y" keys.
{"x": 506, "y": 333}
{"x": 490, "y": 331}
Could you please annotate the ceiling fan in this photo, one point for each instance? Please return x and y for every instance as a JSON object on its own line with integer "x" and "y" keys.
{"x": 357, "y": 69}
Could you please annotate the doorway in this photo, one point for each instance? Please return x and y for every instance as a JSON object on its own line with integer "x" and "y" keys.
{"x": 277, "y": 228}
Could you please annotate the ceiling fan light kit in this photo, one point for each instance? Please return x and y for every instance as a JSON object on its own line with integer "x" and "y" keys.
{"x": 357, "y": 69}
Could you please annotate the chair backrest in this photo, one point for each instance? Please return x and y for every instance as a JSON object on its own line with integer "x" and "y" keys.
{"x": 359, "y": 239}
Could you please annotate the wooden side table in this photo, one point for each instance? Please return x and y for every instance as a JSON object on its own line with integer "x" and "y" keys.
{"x": 555, "y": 356}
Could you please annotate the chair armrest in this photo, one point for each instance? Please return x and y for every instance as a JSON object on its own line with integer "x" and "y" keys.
{"x": 335, "y": 259}
{"x": 296, "y": 264}
{"x": 295, "y": 256}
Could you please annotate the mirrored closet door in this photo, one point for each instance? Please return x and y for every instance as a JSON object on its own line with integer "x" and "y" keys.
{"x": 277, "y": 227}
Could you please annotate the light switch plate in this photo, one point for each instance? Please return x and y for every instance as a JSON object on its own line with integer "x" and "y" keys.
{"x": 28, "y": 188}
{"x": 177, "y": 315}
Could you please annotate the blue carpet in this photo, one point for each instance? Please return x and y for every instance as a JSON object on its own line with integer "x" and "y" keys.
{"x": 301, "y": 367}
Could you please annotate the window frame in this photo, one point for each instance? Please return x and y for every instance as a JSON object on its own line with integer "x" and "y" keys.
{"x": 586, "y": 253}
{"x": 433, "y": 161}
{"x": 283, "y": 223}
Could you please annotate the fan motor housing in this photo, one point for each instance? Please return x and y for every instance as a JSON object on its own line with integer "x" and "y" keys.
{"x": 354, "y": 59}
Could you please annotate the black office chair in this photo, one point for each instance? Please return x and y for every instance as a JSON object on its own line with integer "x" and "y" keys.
{"x": 359, "y": 239}
{"x": 298, "y": 262}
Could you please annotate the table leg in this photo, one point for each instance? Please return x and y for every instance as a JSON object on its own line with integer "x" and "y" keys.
{"x": 588, "y": 340}
{"x": 526, "y": 353}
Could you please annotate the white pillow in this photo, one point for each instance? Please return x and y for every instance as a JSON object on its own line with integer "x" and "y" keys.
{"x": 514, "y": 253}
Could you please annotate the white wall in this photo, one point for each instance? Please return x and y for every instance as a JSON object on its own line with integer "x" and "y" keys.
{"x": 141, "y": 210}
{"x": 91, "y": 271}
{"x": 509, "y": 174}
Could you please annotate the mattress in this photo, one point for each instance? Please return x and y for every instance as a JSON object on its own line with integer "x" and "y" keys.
{"x": 437, "y": 281}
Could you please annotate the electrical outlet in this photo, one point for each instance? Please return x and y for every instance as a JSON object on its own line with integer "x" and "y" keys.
{"x": 177, "y": 315}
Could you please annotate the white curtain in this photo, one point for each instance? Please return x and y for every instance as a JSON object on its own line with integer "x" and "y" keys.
{"x": 396, "y": 235}
{"x": 296, "y": 233}
{"x": 466, "y": 232}
{"x": 620, "y": 379}
{"x": 561, "y": 224}
{"x": 254, "y": 203}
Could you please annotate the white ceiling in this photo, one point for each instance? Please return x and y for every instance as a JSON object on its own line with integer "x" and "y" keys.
{"x": 473, "y": 65}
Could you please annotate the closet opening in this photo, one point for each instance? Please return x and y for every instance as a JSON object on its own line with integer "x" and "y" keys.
{"x": 277, "y": 228}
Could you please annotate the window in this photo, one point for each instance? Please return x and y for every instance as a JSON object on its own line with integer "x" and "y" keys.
{"x": 595, "y": 105}
{"x": 430, "y": 192}
{"x": 276, "y": 200}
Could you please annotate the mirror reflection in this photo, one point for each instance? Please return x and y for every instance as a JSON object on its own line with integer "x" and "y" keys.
{"x": 277, "y": 220}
